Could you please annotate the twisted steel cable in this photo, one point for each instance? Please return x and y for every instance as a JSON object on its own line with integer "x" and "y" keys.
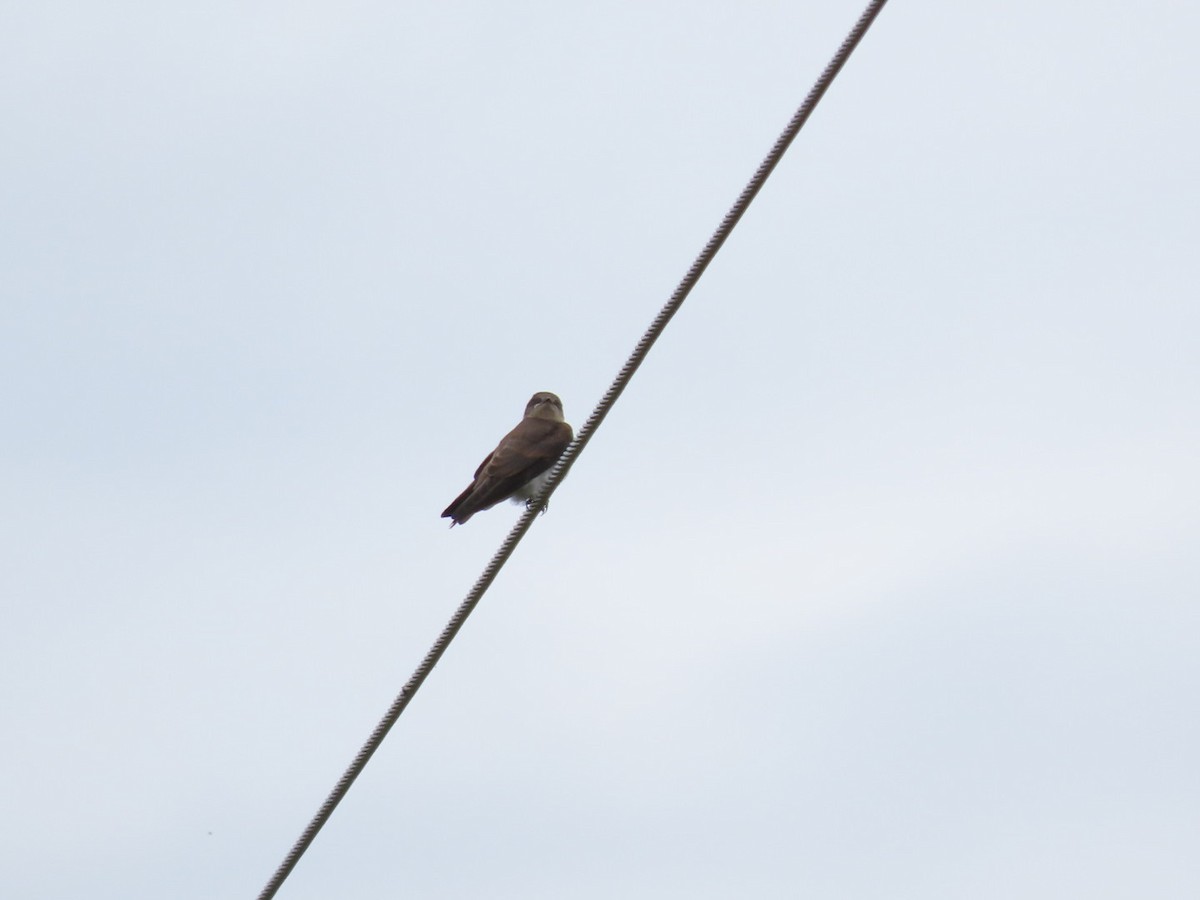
{"x": 558, "y": 472}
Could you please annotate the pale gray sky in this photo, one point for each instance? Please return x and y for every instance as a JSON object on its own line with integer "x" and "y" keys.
{"x": 881, "y": 581}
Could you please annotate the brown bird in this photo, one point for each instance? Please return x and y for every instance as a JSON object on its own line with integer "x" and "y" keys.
{"x": 519, "y": 465}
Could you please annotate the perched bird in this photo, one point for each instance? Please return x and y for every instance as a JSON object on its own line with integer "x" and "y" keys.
{"x": 518, "y": 467}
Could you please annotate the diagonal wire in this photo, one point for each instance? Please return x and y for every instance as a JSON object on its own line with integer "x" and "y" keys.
{"x": 576, "y": 447}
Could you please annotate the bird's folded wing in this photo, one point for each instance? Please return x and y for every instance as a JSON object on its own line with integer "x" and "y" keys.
{"x": 525, "y": 453}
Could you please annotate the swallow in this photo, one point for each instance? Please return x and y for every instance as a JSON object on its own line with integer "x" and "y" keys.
{"x": 518, "y": 467}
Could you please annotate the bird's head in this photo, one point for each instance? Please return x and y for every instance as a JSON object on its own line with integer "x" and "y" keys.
{"x": 544, "y": 405}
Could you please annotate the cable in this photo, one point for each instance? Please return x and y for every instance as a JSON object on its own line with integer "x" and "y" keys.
{"x": 576, "y": 447}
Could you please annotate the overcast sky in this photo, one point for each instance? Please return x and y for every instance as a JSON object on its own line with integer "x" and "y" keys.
{"x": 880, "y": 581}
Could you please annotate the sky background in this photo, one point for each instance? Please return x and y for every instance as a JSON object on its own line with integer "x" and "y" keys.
{"x": 880, "y": 581}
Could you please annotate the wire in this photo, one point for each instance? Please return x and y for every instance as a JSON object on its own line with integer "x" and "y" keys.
{"x": 560, "y": 469}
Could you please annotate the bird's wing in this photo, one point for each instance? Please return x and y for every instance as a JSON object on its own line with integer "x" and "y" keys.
{"x": 525, "y": 452}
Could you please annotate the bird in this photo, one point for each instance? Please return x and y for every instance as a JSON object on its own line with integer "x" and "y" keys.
{"x": 521, "y": 462}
